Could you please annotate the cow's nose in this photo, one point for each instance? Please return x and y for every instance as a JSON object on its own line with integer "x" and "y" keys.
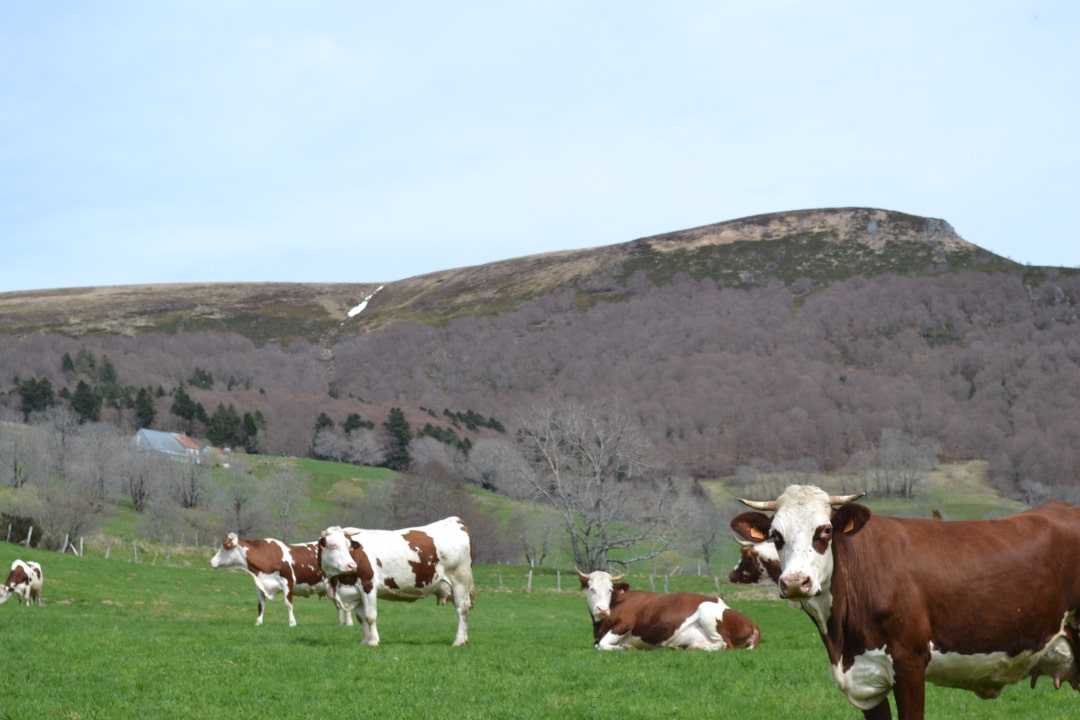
{"x": 602, "y": 611}
{"x": 796, "y": 585}
{"x": 350, "y": 566}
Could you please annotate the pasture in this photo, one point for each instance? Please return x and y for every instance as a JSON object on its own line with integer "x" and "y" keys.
{"x": 118, "y": 639}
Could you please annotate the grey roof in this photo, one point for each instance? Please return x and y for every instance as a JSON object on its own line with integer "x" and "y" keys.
{"x": 158, "y": 441}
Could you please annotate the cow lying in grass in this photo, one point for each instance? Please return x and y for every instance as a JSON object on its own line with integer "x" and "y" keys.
{"x": 626, "y": 619}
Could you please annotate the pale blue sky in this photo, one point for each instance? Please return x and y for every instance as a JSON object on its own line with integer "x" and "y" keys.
{"x": 153, "y": 141}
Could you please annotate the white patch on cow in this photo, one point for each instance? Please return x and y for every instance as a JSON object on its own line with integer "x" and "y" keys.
{"x": 698, "y": 632}
{"x": 868, "y": 681}
{"x": 986, "y": 674}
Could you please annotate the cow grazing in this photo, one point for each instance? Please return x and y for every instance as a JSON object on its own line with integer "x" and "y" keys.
{"x": 406, "y": 564}
{"x": 756, "y": 560}
{"x": 625, "y": 619}
{"x": 975, "y": 605}
{"x": 24, "y": 581}
{"x": 277, "y": 567}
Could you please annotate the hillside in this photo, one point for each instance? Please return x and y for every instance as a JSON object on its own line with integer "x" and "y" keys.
{"x": 773, "y": 339}
{"x": 826, "y": 245}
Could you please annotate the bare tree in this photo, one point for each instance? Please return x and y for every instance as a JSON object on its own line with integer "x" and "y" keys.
{"x": 593, "y": 465}
{"x": 286, "y": 491}
{"x": 244, "y": 503}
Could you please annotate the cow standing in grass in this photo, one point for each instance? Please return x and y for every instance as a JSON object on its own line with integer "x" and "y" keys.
{"x": 24, "y": 581}
{"x": 276, "y": 567}
{"x": 900, "y": 602}
{"x": 406, "y": 565}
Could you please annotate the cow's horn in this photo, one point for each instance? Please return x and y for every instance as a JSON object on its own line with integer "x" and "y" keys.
{"x": 581, "y": 575}
{"x": 617, "y": 578}
{"x": 759, "y": 504}
{"x": 844, "y": 499}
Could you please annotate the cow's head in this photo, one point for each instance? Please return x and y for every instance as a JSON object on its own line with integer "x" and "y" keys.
{"x": 802, "y": 528}
{"x": 599, "y": 586}
{"x": 756, "y": 559}
{"x": 231, "y": 552}
{"x": 335, "y": 552}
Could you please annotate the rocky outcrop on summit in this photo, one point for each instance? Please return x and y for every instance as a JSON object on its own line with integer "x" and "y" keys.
{"x": 870, "y": 226}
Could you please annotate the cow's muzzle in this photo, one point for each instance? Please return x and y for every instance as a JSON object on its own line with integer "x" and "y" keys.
{"x": 796, "y": 586}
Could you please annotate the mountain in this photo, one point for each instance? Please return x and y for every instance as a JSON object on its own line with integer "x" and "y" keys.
{"x": 782, "y": 338}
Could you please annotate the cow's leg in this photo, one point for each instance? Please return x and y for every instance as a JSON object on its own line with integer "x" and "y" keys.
{"x": 611, "y": 641}
{"x": 880, "y": 712}
{"x": 262, "y": 605}
{"x": 370, "y": 635}
{"x": 909, "y": 688}
{"x": 289, "y": 605}
{"x": 462, "y": 603}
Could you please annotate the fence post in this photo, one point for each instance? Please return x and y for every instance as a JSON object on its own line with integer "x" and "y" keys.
{"x": 558, "y": 580}
{"x": 29, "y": 535}
{"x": 135, "y": 547}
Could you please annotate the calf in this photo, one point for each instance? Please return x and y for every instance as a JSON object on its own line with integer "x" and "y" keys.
{"x": 681, "y": 620}
{"x": 276, "y": 567}
{"x": 24, "y": 581}
{"x": 403, "y": 565}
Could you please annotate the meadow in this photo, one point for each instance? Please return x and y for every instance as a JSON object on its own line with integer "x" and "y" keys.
{"x": 118, "y": 639}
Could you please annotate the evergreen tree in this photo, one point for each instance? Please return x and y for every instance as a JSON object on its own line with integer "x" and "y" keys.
{"x": 86, "y": 402}
{"x": 223, "y": 427}
{"x": 145, "y": 411}
{"x": 36, "y": 395}
{"x": 400, "y": 435}
{"x": 183, "y": 406}
{"x": 251, "y": 432}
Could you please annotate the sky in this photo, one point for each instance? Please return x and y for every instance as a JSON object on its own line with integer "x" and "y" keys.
{"x": 363, "y": 142}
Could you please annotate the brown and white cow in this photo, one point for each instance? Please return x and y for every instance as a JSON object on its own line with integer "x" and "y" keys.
{"x": 24, "y": 581}
{"x": 406, "y": 564}
{"x": 756, "y": 561}
{"x": 627, "y": 619}
{"x": 975, "y": 605}
{"x": 277, "y": 567}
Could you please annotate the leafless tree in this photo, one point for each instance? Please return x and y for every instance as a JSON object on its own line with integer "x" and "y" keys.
{"x": 286, "y": 490}
{"x": 244, "y": 500}
{"x": 592, "y": 464}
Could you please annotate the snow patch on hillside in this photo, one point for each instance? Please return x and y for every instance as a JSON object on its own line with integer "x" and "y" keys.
{"x": 364, "y": 303}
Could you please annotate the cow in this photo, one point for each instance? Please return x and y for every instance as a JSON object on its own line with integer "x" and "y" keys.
{"x": 24, "y": 581}
{"x": 406, "y": 565}
{"x": 900, "y": 602}
{"x": 627, "y": 619}
{"x": 756, "y": 560}
{"x": 277, "y": 567}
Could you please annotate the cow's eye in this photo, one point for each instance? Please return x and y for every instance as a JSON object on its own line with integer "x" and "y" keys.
{"x": 777, "y": 539}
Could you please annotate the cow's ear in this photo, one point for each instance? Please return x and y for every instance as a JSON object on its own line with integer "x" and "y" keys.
{"x": 752, "y": 526}
{"x": 850, "y": 519}
{"x": 322, "y": 541}
{"x": 354, "y": 544}
{"x": 620, "y": 587}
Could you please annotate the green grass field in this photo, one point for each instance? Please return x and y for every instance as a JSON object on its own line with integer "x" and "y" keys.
{"x": 116, "y": 639}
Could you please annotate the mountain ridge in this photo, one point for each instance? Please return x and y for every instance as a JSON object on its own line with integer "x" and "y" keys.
{"x": 275, "y": 311}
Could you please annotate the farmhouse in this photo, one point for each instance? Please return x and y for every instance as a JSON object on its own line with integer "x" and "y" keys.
{"x": 175, "y": 445}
